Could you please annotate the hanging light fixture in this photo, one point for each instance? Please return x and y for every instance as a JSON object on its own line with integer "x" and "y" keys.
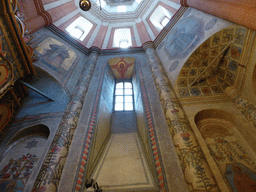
{"x": 85, "y": 5}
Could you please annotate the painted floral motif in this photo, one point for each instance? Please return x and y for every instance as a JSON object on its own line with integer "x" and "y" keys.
{"x": 206, "y": 91}
{"x": 247, "y": 109}
{"x": 227, "y": 35}
{"x": 240, "y": 35}
{"x": 193, "y": 72}
{"x": 223, "y": 71}
{"x": 183, "y": 92}
{"x": 216, "y": 89}
{"x": 232, "y": 66}
{"x": 195, "y": 91}
{"x": 196, "y": 170}
{"x": 19, "y": 168}
{"x": 236, "y": 52}
{"x": 216, "y": 39}
{"x": 184, "y": 72}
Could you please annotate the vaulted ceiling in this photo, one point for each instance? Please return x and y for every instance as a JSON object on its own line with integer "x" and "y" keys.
{"x": 105, "y": 17}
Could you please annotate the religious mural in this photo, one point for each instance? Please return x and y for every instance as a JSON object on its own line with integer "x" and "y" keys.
{"x": 56, "y": 58}
{"x": 184, "y": 37}
{"x": 122, "y": 67}
{"x": 234, "y": 161}
{"x": 56, "y": 54}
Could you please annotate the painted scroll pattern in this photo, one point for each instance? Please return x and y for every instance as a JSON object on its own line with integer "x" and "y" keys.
{"x": 195, "y": 168}
{"x": 50, "y": 173}
{"x": 247, "y": 109}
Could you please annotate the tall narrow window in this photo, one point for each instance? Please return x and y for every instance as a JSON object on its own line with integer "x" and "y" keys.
{"x": 123, "y": 96}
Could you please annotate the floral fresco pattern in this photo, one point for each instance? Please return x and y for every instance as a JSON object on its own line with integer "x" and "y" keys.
{"x": 16, "y": 172}
{"x": 247, "y": 109}
{"x": 196, "y": 170}
{"x": 223, "y": 70}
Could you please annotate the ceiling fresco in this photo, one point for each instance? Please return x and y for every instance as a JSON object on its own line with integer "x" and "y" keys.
{"x": 222, "y": 72}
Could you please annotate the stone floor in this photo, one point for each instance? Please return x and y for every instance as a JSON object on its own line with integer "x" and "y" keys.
{"x": 123, "y": 166}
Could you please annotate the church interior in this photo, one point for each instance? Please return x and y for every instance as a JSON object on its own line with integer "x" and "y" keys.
{"x": 130, "y": 95}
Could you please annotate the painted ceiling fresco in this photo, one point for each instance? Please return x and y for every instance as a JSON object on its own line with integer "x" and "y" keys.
{"x": 122, "y": 67}
{"x": 222, "y": 72}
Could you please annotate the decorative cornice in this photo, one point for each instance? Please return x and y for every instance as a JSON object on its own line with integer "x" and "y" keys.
{"x": 183, "y": 3}
{"x": 148, "y": 44}
{"x": 40, "y": 11}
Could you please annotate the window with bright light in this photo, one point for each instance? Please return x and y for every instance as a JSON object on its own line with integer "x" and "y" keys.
{"x": 165, "y": 21}
{"x": 121, "y": 8}
{"x": 80, "y": 28}
{"x": 160, "y": 17}
{"x": 122, "y": 38}
{"x": 101, "y": 3}
{"x": 123, "y": 96}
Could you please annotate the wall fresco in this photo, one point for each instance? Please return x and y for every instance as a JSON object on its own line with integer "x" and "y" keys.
{"x": 184, "y": 36}
{"x": 50, "y": 173}
{"x": 222, "y": 72}
{"x": 232, "y": 158}
{"x": 247, "y": 108}
{"x": 56, "y": 54}
{"x": 122, "y": 67}
{"x": 196, "y": 171}
{"x": 19, "y": 161}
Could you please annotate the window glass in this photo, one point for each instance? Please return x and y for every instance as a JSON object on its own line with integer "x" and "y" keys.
{"x": 119, "y": 91}
{"x": 128, "y": 106}
{"x": 119, "y": 85}
{"x": 123, "y": 96}
{"x": 128, "y": 91}
{"x": 127, "y": 85}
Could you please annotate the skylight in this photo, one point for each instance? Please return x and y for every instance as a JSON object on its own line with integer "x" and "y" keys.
{"x": 122, "y": 38}
{"x": 121, "y": 8}
{"x": 80, "y": 28}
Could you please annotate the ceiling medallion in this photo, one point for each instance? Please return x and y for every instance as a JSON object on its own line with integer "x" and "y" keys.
{"x": 85, "y": 5}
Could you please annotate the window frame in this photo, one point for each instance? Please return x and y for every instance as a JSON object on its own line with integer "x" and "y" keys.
{"x": 123, "y": 81}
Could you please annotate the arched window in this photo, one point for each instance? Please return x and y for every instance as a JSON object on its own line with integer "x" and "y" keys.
{"x": 123, "y": 96}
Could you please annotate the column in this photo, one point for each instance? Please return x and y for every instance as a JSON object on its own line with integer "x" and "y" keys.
{"x": 247, "y": 109}
{"x": 50, "y": 173}
{"x": 196, "y": 171}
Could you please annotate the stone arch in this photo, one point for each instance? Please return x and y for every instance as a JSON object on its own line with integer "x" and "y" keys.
{"x": 36, "y": 131}
{"x": 226, "y": 145}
